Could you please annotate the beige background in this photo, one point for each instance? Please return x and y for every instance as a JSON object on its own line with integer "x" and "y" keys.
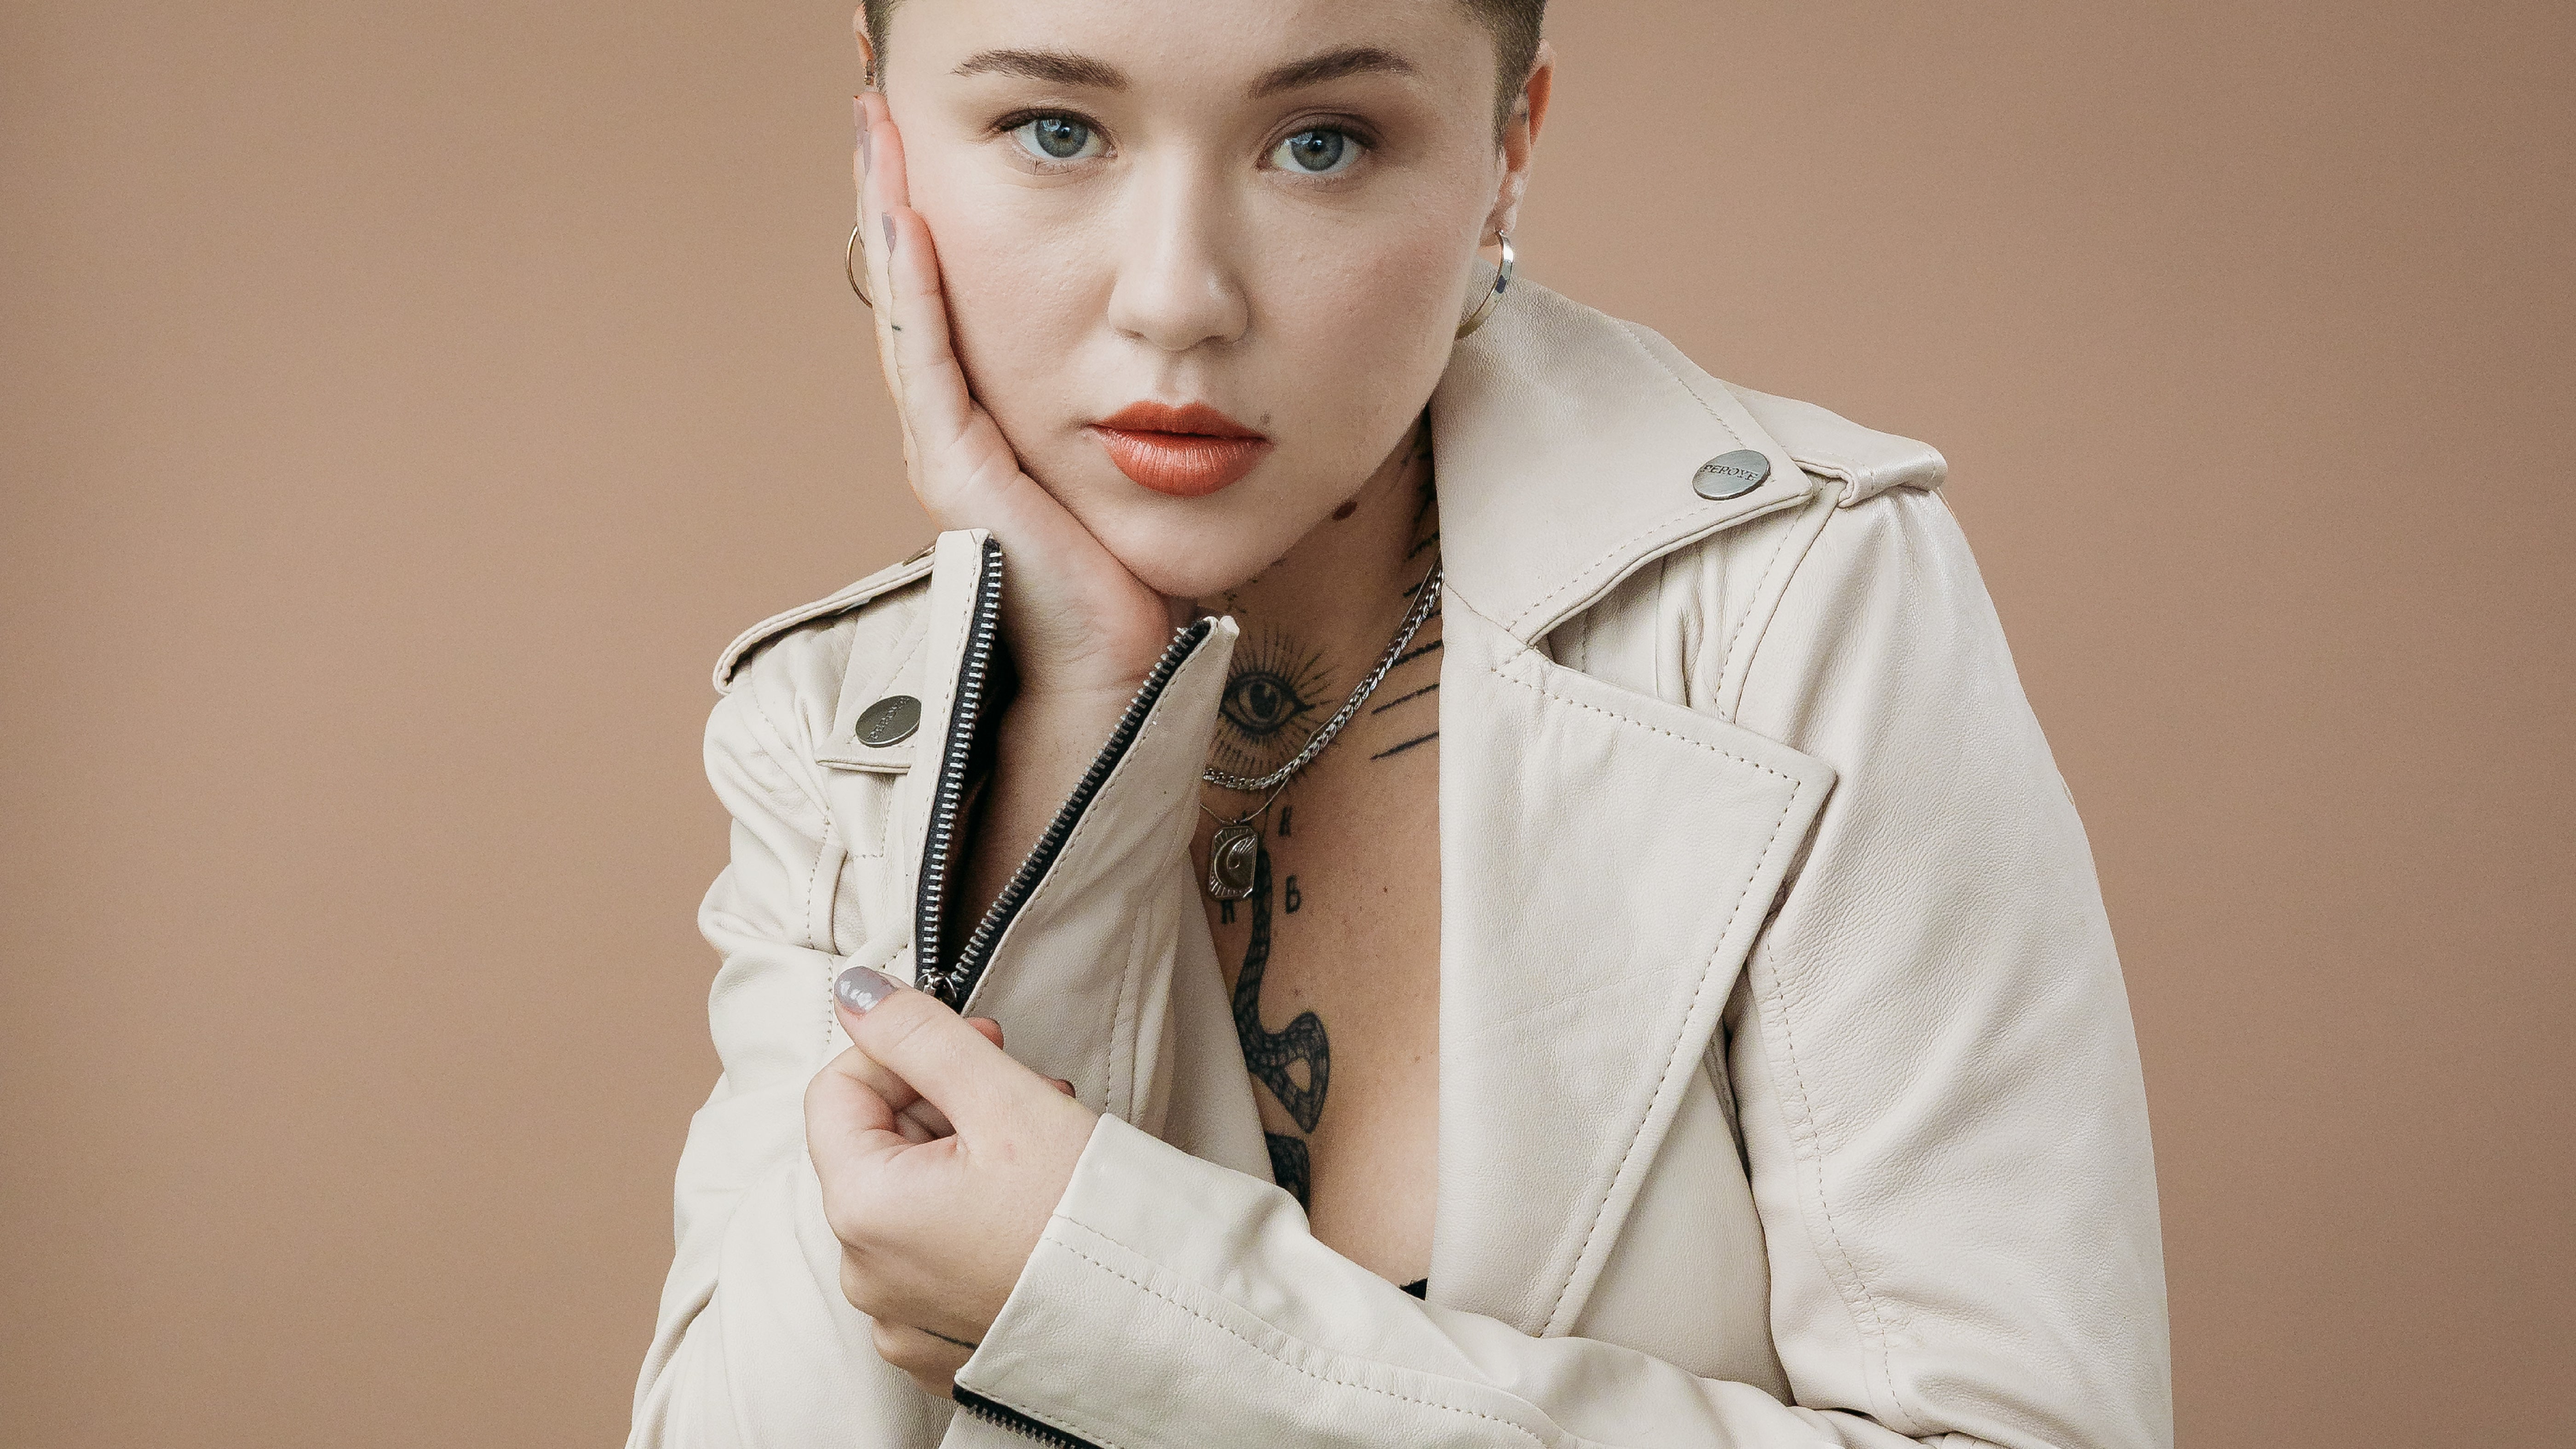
{"x": 404, "y": 403}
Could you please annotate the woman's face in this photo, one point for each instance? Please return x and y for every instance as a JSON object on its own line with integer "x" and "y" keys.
{"x": 1265, "y": 208}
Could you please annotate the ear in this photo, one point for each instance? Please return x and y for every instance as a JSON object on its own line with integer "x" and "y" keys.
{"x": 1520, "y": 142}
{"x": 867, "y": 47}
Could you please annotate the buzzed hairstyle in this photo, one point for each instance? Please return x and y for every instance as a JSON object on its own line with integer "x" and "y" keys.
{"x": 1515, "y": 25}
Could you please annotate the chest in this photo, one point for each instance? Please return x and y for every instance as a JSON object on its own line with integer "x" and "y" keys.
{"x": 1332, "y": 964}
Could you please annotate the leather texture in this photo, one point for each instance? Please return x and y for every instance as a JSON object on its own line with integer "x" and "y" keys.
{"x": 1788, "y": 1091}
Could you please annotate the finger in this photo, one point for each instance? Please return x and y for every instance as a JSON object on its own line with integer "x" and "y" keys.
{"x": 883, "y": 183}
{"x": 1062, "y": 1085}
{"x": 883, "y": 180}
{"x": 931, "y": 1048}
{"x": 917, "y": 1120}
{"x": 951, "y": 445}
{"x": 846, "y": 1119}
{"x": 937, "y": 407}
{"x": 959, "y": 464}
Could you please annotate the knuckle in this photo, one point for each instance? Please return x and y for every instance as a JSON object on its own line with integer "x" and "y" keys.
{"x": 899, "y": 1022}
{"x": 845, "y": 1223}
{"x": 888, "y": 1340}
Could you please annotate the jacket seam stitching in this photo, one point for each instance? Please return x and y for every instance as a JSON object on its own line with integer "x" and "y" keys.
{"x": 1753, "y": 606}
{"x": 1767, "y": 602}
{"x": 814, "y": 882}
{"x": 1237, "y": 1334}
{"x": 1876, "y": 1334}
{"x": 1665, "y": 1085}
{"x": 1608, "y": 556}
{"x": 855, "y": 595}
{"x": 1797, "y": 785}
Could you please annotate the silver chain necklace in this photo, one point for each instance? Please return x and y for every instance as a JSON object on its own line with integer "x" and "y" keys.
{"x": 1235, "y": 850}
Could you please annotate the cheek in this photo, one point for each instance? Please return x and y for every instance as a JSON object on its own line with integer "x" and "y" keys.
{"x": 1363, "y": 326}
{"x": 1020, "y": 300}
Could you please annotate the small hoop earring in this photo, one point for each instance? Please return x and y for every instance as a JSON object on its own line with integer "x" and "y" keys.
{"x": 850, "y": 265}
{"x": 1502, "y": 281}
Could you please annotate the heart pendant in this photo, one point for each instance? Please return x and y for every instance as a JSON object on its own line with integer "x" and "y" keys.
{"x": 1232, "y": 854}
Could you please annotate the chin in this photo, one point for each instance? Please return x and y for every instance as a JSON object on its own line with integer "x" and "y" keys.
{"x": 1189, "y": 557}
{"x": 1185, "y": 548}
{"x": 1187, "y": 572}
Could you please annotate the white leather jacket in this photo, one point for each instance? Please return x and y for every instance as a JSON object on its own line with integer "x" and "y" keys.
{"x": 1788, "y": 1094}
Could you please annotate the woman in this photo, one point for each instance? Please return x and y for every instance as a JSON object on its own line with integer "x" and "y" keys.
{"x": 1660, "y": 998}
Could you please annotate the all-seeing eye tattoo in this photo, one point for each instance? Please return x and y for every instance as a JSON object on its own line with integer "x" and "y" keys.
{"x": 1273, "y": 704}
{"x": 1275, "y": 1057}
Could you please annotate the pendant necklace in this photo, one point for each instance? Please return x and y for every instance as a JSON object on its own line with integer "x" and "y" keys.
{"x": 1235, "y": 850}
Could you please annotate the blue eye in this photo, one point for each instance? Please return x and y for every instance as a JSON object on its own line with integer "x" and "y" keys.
{"x": 1319, "y": 152}
{"x": 1057, "y": 138}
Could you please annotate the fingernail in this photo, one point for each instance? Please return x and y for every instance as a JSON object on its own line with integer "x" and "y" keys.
{"x": 860, "y": 989}
{"x": 889, "y": 231}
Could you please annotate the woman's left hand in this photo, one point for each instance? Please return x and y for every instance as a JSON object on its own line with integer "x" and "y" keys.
{"x": 934, "y": 1226}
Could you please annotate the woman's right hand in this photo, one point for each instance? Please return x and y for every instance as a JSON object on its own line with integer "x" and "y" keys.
{"x": 1079, "y": 625}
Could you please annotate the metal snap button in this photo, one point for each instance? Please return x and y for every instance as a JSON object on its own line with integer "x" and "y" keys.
{"x": 889, "y": 721}
{"x": 1731, "y": 475}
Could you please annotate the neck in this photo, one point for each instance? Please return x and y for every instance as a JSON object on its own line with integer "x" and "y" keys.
{"x": 1316, "y": 621}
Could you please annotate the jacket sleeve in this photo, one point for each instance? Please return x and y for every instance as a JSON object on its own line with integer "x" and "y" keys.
{"x": 1941, "y": 1109}
{"x": 754, "y": 1344}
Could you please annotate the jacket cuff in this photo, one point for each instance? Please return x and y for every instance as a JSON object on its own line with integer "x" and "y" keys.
{"x": 1205, "y": 1339}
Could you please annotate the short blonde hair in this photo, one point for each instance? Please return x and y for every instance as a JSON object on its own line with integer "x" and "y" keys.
{"x": 1515, "y": 25}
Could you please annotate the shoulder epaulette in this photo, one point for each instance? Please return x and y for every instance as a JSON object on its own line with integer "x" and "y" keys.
{"x": 883, "y": 581}
{"x": 1867, "y": 463}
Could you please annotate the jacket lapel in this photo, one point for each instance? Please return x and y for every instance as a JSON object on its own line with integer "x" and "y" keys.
{"x": 1606, "y": 857}
{"x": 1606, "y": 860}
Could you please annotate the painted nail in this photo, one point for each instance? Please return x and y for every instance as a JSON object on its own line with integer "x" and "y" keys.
{"x": 889, "y": 230}
{"x": 860, "y": 989}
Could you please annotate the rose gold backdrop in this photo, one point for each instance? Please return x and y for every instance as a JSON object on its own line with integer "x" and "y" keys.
{"x": 404, "y": 402}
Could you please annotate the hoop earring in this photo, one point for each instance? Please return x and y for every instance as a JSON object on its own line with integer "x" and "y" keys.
{"x": 850, "y": 265}
{"x": 1502, "y": 281}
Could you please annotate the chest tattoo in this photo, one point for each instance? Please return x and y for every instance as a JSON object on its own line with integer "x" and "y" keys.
{"x": 1278, "y": 693}
{"x": 1272, "y": 1056}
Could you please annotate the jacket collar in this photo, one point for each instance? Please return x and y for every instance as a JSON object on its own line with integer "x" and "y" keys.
{"x": 1567, "y": 444}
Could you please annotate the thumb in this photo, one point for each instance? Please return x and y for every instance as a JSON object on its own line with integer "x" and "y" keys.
{"x": 939, "y": 1054}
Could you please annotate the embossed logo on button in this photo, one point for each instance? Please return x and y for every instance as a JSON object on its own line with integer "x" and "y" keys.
{"x": 890, "y": 721}
{"x": 1731, "y": 475}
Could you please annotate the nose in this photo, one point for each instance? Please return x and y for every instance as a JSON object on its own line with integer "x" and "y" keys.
{"x": 1179, "y": 286}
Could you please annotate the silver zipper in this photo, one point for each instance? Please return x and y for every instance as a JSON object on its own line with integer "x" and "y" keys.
{"x": 954, "y": 982}
{"x": 979, "y": 948}
{"x": 974, "y": 670}
{"x": 1015, "y": 1421}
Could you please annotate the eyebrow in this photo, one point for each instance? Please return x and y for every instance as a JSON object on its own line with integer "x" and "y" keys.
{"x": 1063, "y": 68}
{"x": 1055, "y": 67}
{"x": 1330, "y": 66}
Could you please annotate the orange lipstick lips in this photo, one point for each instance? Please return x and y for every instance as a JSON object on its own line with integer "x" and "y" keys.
{"x": 1185, "y": 452}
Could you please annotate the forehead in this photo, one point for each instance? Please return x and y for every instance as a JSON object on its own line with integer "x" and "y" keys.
{"x": 1198, "y": 44}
